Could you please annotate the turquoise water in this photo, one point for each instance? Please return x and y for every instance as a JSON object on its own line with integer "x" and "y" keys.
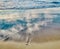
{"x": 4, "y": 24}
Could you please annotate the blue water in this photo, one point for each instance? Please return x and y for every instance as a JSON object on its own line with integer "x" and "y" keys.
{"x": 4, "y": 24}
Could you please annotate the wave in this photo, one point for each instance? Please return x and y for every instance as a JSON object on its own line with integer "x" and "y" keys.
{"x": 25, "y": 5}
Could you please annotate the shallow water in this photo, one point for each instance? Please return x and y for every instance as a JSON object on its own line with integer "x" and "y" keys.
{"x": 42, "y": 13}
